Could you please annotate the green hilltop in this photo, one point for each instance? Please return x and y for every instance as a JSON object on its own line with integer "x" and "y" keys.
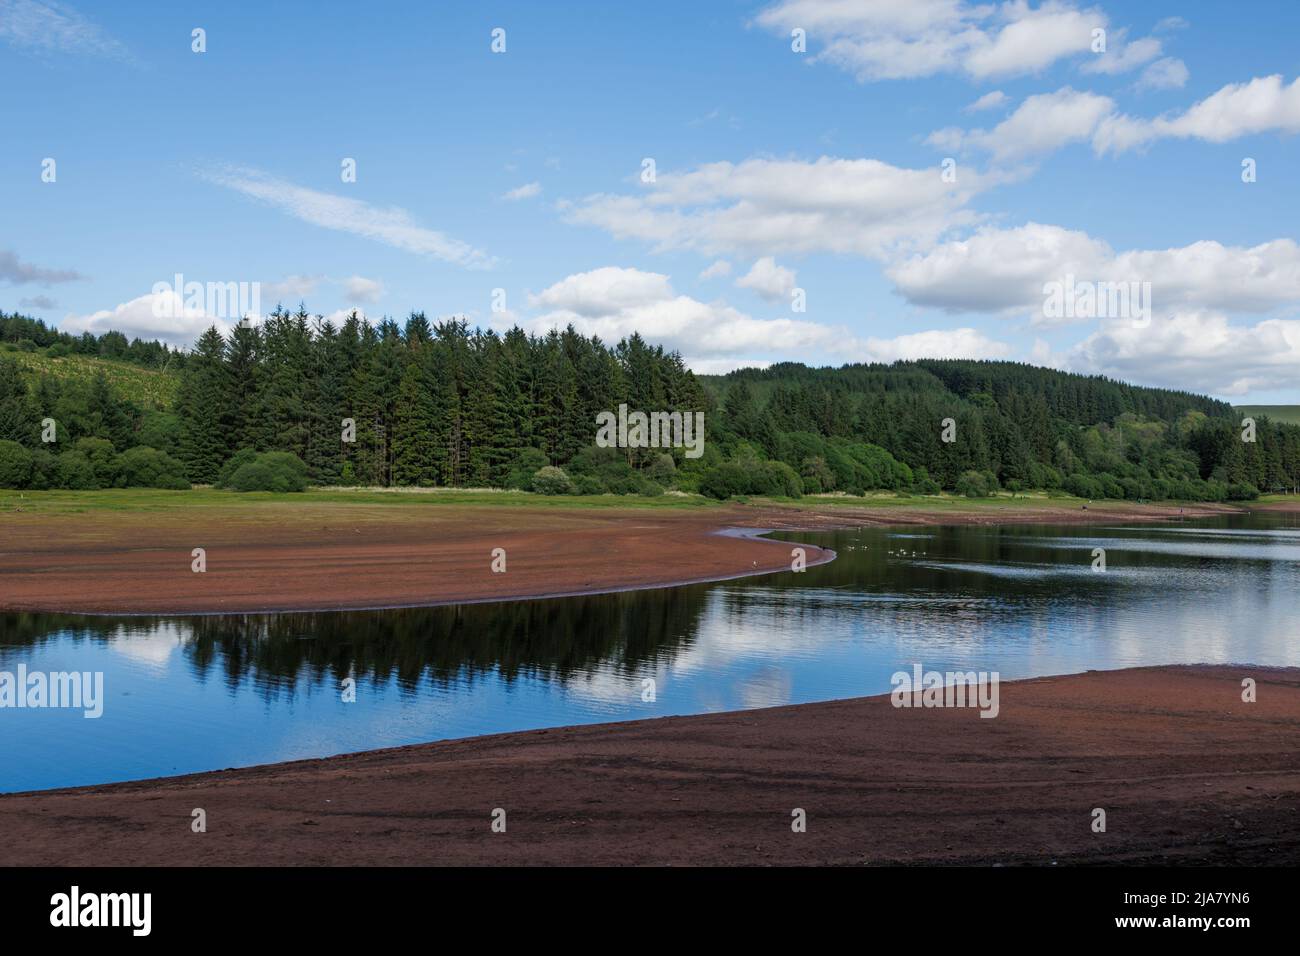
{"x": 1290, "y": 414}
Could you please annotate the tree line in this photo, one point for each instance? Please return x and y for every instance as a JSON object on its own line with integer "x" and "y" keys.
{"x": 444, "y": 404}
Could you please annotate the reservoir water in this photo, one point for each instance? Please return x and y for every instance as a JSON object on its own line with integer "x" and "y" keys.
{"x": 184, "y": 694}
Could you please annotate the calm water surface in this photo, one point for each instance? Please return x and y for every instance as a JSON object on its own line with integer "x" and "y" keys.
{"x": 200, "y": 693}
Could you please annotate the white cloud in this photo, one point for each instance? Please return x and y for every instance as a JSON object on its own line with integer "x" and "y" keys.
{"x": 1004, "y": 270}
{"x": 177, "y": 325}
{"x": 996, "y": 270}
{"x": 292, "y": 288}
{"x": 896, "y": 39}
{"x": 989, "y": 101}
{"x": 526, "y": 191}
{"x": 362, "y": 291}
{"x": 614, "y": 302}
{"x": 1050, "y": 120}
{"x": 1264, "y": 104}
{"x": 392, "y": 226}
{"x": 963, "y": 343}
{"x": 719, "y": 269}
{"x": 768, "y": 207}
{"x": 1190, "y": 341}
{"x": 1195, "y": 351}
{"x": 49, "y": 27}
{"x": 771, "y": 281}
{"x": 1122, "y": 57}
{"x": 1041, "y": 124}
{"x": 1034, "y": 39}
{"x": 1164, "y": 74}
{"x": 721, "y": 366}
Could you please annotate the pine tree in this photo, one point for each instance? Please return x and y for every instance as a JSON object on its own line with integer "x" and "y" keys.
{"x": 204, "y": 401}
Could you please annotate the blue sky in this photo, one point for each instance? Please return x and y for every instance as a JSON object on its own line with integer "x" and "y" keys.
{"x": 777, "y": 172}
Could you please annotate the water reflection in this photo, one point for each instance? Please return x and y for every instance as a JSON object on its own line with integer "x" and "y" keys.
{"x": 196, "y": 693}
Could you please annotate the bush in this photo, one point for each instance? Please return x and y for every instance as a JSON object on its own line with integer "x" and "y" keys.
{"x": 651, "y": 489}
{"x": 15, "y": 465}
{"x": 772, "y": 478}
{"x": 724, "y": 481}
{"x": 44, "y": 471}
{"x": 73, "y": 471}
{"x": 102, "y": 457}
{"x": 144, "y": 467}
{"x": 1081, "y": 486}
{"x": 524, "y": 467}
{"x": 589, "y": 485}
{"x": 1242, "y": 492}
{"x": 549, "y": 480}
{"x": 607, "y": 464}
{"x": 238, "y": 460}
{"x": 922, "y": 483}
{"x": 161, "y": 430}
{"x": 662, "y": 469}
{"x": 974, "y": 484}
{"x": 271, "y": 471}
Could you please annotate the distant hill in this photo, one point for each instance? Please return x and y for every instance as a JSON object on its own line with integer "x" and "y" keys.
{"x": 1278, "y": 413}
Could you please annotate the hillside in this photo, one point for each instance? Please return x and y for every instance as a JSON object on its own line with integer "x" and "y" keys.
{"x": 148, "y": 388}
{"x": 1278, "y": 413}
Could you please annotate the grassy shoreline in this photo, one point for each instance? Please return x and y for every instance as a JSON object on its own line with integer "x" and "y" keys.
{"x": 145, "y": 500}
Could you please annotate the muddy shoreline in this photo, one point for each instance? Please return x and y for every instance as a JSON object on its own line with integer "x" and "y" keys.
{"x": 341, "y": 556}
{"x": 1187, "y": 772}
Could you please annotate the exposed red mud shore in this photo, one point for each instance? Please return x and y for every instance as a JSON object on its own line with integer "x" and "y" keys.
{"x": 334, "y": 556}
{"x": 1187, "y": 772}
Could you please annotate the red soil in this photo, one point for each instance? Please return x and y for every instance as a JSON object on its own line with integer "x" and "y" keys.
{"x": 331, "y": 555}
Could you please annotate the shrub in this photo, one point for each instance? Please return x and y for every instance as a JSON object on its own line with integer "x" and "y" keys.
{"x": 1242, "y": 492}
{"x": 589, "y": 485}
{"x": 922, "y": 483}
{"x": 974, "y": 484}
{"x": 549, "y": 480}
{"x": 662, "y": 469}
{"x": 161, "y": 430}
{"x": 144, "y": 467}
{"x": 724, "y": 481}
{"x": 236, "y": 461}
{"x": 524, "y": 467}
{"x": 608, "y": 464}
{"x": 44, "y": 470}
{"x": 1082, "y": 486}
{"x": 271, "y": 471}
{"x": 773, "y": 478}
{"x": 73, "y": 470}
{"x": 102, "y": 457}
{"x": 15, "y": 465}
